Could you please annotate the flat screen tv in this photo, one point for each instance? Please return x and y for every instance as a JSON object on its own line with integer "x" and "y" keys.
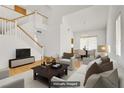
{"x": 23, "y": 53}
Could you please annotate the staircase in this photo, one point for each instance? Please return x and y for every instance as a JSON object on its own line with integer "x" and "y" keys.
{"x": 24, "y": 27}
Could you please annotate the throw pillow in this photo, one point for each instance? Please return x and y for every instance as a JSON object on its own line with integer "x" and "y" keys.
{"x": 94, "y": 69}
{"x": 106, "y": 66}
{"x": 90, "y": 64}
{"x": 98, "y": 61}
{"x": 108, "y": 79}
{"x": 98, "y": 56}
{"x": 92, "y": 80}
{"x": 105, "y": 59}
{"x": 111, "y": 79}
{"x": 99, "y": 83}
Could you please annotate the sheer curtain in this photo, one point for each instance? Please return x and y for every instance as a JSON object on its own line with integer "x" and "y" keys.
{"x": 89, "y": 43}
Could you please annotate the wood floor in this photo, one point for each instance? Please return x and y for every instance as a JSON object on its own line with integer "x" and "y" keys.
{"x": 76, "y": 64}
{"x": 17, "y": 70}
{"x": 21, "y": 69}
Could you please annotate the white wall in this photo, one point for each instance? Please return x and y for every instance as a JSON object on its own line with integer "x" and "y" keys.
{"x": 111, "y": 33}
{"x": 101, "y": 37}
{"x": 8, "y": 46}
{"x": 51, "y": 38}
{"x": 65, "y": 38}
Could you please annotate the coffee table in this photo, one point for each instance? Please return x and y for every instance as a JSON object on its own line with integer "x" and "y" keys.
{"x": 48, "y": 72}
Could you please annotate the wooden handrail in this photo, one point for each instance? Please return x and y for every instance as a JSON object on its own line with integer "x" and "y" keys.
{"x": 29, "y": 36}
{"x": 42, "y": 15}
{"x": 23, "y": 16}
{"x": 23, "y": 31}
{"x": 9, "y": 9}
{"x": 13, "y": 20}
{"x": 29, "y": 15}
{"x": 7, "y": 19}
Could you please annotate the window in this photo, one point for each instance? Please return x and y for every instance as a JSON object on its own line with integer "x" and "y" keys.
{"x": 118, "y": 35}
{"x": 88, "y": 42}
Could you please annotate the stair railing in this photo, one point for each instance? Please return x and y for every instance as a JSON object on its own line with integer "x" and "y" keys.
{"x": 9, "y": 27}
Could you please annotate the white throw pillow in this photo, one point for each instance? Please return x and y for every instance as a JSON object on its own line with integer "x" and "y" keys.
{"x": 98, "y": 61}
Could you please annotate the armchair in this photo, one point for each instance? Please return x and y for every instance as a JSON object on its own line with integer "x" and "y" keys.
{"x": 78, "y": 53}
{"x": 67, "y": 58}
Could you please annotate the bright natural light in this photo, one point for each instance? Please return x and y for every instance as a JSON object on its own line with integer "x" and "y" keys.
{"x": 118, "y": 35}
{"x": 88, "y": 42}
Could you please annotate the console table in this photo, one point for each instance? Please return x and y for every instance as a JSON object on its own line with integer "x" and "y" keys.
{"x": 19, "y": 62}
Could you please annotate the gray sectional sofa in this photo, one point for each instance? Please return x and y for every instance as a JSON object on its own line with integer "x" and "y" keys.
{"x": 4, "y": 73}
{"x": 108, "y": 79}
{"x": 7, "y": 81}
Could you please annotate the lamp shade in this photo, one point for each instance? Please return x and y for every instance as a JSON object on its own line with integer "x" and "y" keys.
{"x": 102, "y": 48}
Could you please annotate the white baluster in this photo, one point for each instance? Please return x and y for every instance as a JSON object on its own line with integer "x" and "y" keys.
{"x": 15, "y": 29}
{"x": 2, "y": 27}
{"x": 6, "y": 27}
{"x": 10, "y": 28}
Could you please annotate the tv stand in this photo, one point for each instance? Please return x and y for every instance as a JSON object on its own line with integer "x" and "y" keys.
{"x": 19, "y": 62}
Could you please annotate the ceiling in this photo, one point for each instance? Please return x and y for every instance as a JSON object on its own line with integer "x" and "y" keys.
{"x": 92, "y": 18}
{"x": 67, "y": 9}
{"x": 46, "y": 9}
{"x": 79, "y": 17}
{"x": 43, "y": 9}
{"x": 9, "y": 14}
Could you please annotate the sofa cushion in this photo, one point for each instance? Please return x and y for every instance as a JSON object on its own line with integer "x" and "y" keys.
{"x": 15, "y": 84}
{"x": 77, "y": 77}
{"x": 105, "y": 59}
{"x": 110, "y": 78}
{"x": 92, "y": 80}
{"x": 99, "y": 84}
{"x": 94, "y": 69}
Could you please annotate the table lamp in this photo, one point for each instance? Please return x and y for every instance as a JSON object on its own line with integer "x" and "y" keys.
{"x": 103, "y": 50}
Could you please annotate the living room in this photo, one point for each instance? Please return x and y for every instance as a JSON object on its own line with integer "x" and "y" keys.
{"x": 69, "y": 34}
